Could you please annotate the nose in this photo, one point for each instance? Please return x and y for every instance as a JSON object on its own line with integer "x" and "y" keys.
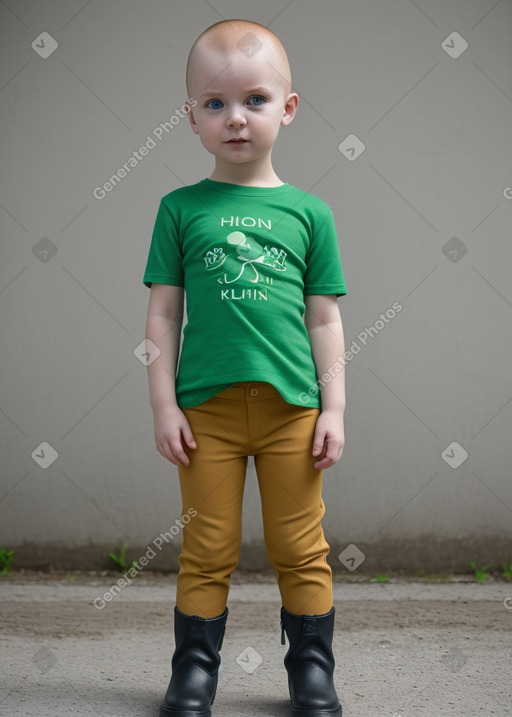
{"x": 236, "y": 118}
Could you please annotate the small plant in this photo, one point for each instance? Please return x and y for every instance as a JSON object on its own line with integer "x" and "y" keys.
{"x": 6, "y": 558}
{"x": 482, "y": 573}
{"x": 119, "y": 561}
{"x": 382, "y": 578}
{"x": 507, "y": 571}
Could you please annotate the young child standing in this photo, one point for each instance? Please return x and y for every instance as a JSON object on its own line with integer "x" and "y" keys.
{"x": 258, "y": 262}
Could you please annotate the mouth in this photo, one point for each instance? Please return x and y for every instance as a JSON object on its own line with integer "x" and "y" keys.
{"x": 238, "y": 140}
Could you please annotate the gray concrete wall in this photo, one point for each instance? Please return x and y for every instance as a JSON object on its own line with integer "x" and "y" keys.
{"x": 424, "y": 216}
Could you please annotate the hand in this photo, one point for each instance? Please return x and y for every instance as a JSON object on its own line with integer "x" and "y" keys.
{"x": 329, "y": 438}
{"x": 173, "y": 434}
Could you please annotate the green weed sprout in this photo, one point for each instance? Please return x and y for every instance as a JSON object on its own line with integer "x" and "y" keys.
{"x": 6, "y": 558}
{"x": 482, "y": 573}
{"x": 507, "y": 571}
{"x": 380, "y": 579}
{"x": 119, "y": 561}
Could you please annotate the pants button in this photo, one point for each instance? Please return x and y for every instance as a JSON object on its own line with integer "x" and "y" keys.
{"x": 253, "y": 391}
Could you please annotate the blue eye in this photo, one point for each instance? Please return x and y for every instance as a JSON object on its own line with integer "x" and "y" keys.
{"x": 215, "y": 104}
{"x": 256, "y": 101}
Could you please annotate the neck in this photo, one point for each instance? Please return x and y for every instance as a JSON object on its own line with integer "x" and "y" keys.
{"x": 250, "y": 174}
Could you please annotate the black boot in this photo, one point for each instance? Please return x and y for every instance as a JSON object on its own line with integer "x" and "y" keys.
{"x": 310, "y": 664}
{"x": 195, "y": 665}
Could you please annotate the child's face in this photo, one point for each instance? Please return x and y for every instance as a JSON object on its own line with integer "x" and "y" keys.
{"x": 241, "y": 104}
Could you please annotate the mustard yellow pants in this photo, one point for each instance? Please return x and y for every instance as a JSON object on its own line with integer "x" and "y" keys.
{"x": 252, "y": 419}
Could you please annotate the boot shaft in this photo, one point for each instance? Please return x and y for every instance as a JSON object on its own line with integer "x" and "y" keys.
{"x": 198, "y": 640}
{"x": 310, "y": 638}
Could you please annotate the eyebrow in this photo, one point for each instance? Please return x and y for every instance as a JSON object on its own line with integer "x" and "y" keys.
{"x": 253, "y": 90}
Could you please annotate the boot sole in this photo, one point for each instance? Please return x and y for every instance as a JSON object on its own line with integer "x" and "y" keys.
{"x": 164, "y": 712}
{"x": 297, "y": 712}
{"x": 186, "y": 713}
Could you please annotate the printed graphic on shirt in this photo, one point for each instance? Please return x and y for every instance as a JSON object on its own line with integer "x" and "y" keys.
{"x": 243, "y": 261}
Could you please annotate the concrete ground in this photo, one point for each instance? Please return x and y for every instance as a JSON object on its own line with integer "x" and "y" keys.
{"x": 403, "y": 649}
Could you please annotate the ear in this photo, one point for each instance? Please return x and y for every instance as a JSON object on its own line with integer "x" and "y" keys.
{"x": 190, "y": 112}
{"x": 290, "y": 108}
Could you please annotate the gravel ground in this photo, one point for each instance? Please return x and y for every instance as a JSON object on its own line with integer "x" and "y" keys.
{"x": 403, "y": 649}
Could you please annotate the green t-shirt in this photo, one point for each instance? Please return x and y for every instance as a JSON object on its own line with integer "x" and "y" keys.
{"x": 246, "y": 256}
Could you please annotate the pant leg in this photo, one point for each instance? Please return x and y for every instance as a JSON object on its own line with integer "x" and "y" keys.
{"x": 213, "y": 484}
{"x": 292, "y": 506}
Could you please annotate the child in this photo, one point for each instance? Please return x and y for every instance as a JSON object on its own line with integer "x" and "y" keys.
{"x": 260, "y": 265}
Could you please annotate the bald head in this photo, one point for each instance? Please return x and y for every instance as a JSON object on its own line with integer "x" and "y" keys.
{"x": 240, "y": 41}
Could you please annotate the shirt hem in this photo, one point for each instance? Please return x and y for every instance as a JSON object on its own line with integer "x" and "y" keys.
{"x": 295, "y": 397}
{"x": 325, "y": 289}
{"x": 161, "y": 279}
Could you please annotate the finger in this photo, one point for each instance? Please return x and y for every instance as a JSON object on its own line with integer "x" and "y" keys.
{"x": 189, "y": 438}
{"x": 178, "y": 452}
{"x": 331, "y": 455}
{"x": 320, "y": 457}
{"x": 319, "y": 442}
{"x": 324, "y": 463}
{"x": 165, "y": 451}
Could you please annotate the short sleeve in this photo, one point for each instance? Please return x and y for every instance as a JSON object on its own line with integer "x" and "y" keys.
{"x": 324, "y": 270}
{"x": 164, "y": 264}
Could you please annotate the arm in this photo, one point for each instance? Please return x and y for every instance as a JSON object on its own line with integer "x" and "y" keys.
{"x": 325, "y": 329}
{"x": 163, "y": 328}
